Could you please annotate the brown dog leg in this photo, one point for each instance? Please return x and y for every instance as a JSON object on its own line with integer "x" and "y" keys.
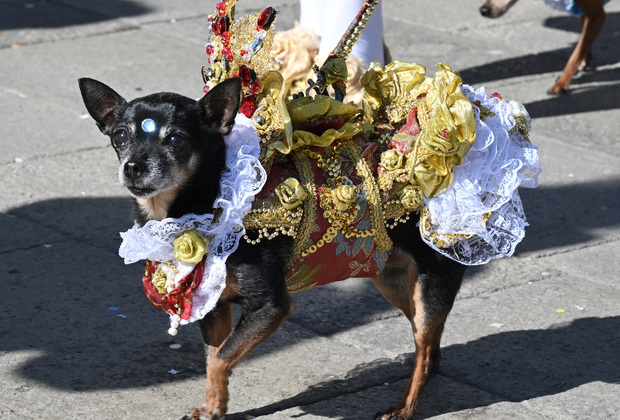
{"x": 225, "y": 349}
{"x": 591, "y": 24}
{"x": 425, "y": 295}
{"x": 215, "y": 327}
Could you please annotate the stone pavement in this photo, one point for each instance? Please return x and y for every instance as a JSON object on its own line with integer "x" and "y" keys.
{"x": 535, "y": 336}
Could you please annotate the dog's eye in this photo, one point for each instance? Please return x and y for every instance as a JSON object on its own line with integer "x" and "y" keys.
{"x": 121, "y": 138}
{"x": 176, "y": 141}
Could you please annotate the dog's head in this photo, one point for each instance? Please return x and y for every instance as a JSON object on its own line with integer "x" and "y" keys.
{"x": 495, "y": 8}
{"x": 161, "y": 139}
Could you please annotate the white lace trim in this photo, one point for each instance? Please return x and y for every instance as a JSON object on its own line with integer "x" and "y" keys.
{"x": 487, "y": 181}
{"x": 242, "y": 178}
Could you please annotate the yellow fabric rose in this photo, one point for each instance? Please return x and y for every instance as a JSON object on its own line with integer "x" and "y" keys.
{"x": 335, "y": 70}
{"x": 343, "y": 196}
{"x": 411, "y": 198}
{"x": 291, "y": 193}
{"x": 397, "y": 84}
{"x": 190, "y": 247}
{"x": 159, "y": 280}
{"x": 392, "y": 159}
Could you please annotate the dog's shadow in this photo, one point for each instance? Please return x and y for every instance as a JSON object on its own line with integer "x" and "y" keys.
{"x": 51, "y": 15}
{"x": 505, "y": 367}
{"x": 80, "y": 317}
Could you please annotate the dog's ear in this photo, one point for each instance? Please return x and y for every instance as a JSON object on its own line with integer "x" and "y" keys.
{"x": 221, "y": 105}
{"x": 101, "y": 102}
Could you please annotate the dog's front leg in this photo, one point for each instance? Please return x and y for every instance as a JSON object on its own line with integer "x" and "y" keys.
{"x": 225, "y": 349}
{"x": 215, "y": 327}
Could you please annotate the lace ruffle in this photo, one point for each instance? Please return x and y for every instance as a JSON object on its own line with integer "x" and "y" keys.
{"x": 499, "y": 161}
{"x": 242, "y": 178}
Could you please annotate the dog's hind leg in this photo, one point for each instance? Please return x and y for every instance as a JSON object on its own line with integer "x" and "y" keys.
{"x": 425, "y": 293}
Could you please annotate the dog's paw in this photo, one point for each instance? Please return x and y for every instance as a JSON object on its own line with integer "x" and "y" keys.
{"x": 201, "y": 414}
{"x": 393, "y": 414}
{"x": 557, "y": 90}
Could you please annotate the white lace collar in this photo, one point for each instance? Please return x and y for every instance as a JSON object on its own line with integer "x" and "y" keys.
{"x": 242, "y": 178}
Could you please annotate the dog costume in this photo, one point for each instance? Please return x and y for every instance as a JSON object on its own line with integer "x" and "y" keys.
{"x": 335, "y": 177}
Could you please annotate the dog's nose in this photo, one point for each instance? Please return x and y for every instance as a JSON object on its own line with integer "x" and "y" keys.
{"x": 485, "y": 11}
{"x": 133, "y": 170}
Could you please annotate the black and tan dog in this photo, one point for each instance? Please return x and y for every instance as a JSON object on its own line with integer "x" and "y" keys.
{"x": 173, "y": 167}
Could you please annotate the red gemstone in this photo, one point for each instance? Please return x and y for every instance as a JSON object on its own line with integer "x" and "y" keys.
{"x": 226, "y": 38}
{"x": 444, "y": 134}
{"x": 255, "y": 88}
{"x": 477, "y": 104}
{"x": 248, "y": 106}
{"x": 206, "y": 89}
{"x": 220, "y": 25}
{"x": 266, "y": 18}
{"x": 247, "y": 75}
{"x": 497, "y": 95}
{"x": 221, "y": 8}
{"x": 209, "y": 49}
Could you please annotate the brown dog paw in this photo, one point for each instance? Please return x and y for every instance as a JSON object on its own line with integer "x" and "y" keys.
{"x": 395, "y": 414}
{"x": 557, "y": 90}
{"x": 202, "y": 414}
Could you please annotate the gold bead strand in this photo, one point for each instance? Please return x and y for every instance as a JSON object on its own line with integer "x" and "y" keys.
{"x": 353, "y": 32}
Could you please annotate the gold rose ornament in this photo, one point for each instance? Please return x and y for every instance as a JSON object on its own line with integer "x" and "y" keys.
{"x": 190, "y": 247}
{"x": 291, "y": 193}
{"x": 343, "y": 196}
{"x": 392, "y": 159}
{"x": 411, "y": 198}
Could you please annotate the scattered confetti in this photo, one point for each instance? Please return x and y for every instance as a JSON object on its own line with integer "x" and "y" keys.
{"x": 173, "y": 21}
{"x": 175, "y": 346}
{"x": 579, "y": 307}
{"x": 48, "y": 245}
{"x": 545, "y": 273}
{"x": 15, "y": 46}
{"x": 173, "y": 371}
{"x": 122, "y": 316}
{"x": 249, "y": 417}
{"x": 19, "y": 160}
{"x": 84, "y": 116}
{"x": 114, "y": 308}
{"x": 496, "y": 325}
{"x": 386, "y": 383}
{"x": 560, "y": 311}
